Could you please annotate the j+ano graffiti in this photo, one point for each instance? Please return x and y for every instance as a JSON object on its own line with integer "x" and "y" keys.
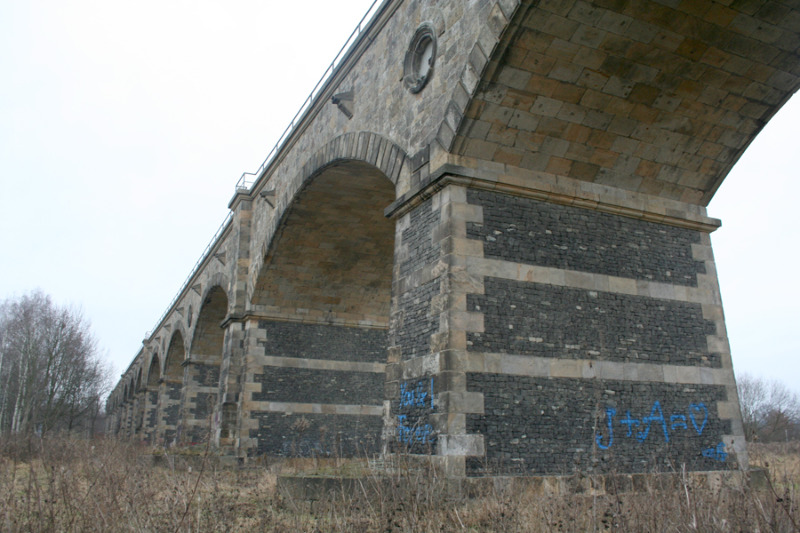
{"x": 694, "y": 420}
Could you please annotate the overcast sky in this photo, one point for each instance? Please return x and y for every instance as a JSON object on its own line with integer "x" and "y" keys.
{"x": 124, "y": 127}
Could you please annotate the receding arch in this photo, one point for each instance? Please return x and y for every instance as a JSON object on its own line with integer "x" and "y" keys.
{"x": 154, "y": 370}
{"x": 324, "y": 294}
{"x": 201, "y": 376}
{"x": 208, "y": 333}
{"x": 176, "y": 353}
{"x": 371, "y": 150}
{"x": 150, "y": 399}
{"x": 139, "y": 401}
{"x": 169, "y": 394}
{"x": 130, "y": 404}
{"x": 334, "y": 248}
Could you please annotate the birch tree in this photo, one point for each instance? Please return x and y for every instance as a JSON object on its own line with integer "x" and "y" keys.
{"x": 51, "y": 375}
{"x": 770, "y": 409}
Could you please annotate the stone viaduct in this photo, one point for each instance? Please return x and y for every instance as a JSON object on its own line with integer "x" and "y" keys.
{"x": 483, "y": 239}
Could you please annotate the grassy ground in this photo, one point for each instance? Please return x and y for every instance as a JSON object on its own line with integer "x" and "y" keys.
{"x": 74, "y": 485}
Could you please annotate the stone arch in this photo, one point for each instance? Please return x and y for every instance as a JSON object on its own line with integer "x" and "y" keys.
{"x": 324, "y": 298}
{"x": 129, "y": 406}
{"x": 334, "y": 223}
{"x": 373, "y": 150}
{"x": 138, "y": 404}
{"x": 207, "y": 335}
{"x": 121, "y": 409}
{"x": 171, "y": 386}
{"x": 366, "y": 147}
{"x": 150, "y": 399}
{"x": 174, "y": 357}
{"x": 153, "y": 370}
{"x": 202, "y": 371}
{"x": 178, "y": 327}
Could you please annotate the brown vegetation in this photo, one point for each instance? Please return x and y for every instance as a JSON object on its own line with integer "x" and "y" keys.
{"x": 69, "y": 484}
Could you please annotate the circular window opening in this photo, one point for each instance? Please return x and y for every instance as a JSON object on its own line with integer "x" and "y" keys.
{"x": 421, "y": 54}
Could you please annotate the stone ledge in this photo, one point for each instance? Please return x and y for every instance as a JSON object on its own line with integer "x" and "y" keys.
{"x": 470, "y": 172}
{"x": 534, "y": 366}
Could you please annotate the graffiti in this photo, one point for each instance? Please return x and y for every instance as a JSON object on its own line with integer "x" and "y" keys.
{"x": 411, "y": 428}
{"x": 694, "y": 420}
{"x": 418, "y": 396}
{"x": 610, "y": 412}
{"x": 417, "y": 434}
{"x": 718, "y": 453}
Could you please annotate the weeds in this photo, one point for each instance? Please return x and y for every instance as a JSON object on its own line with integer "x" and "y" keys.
{"x": 69, "y": 484}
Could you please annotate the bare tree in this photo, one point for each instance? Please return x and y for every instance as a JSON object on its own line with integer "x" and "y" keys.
{"x": 51, "y": 375}
{"x": 770, "y": 410}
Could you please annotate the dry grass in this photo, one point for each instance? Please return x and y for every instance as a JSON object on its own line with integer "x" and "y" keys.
{"x": 75, "y": 485}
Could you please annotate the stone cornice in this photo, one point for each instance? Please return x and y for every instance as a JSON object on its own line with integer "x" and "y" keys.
{"x": 456, "y": 170}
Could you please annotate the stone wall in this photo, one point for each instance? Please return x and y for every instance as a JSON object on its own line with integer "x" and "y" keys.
{"x": 314, "y": 389}
{"x": 542, "y": 425}
{"x": 600, "y": 345}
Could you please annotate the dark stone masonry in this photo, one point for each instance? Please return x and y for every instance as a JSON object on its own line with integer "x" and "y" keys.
{"x": 538, "y": 425}
{"x": 306, "y": 385}
{"x": 418, "y": 239}
{"x": 415, "y": 322}
{"x": 316, "y": 435}
{"x": 550, "y": 321}
{"x": 559, "y": 236}
{"x": 324, "y": 342}
{"x": 206, "y": 375}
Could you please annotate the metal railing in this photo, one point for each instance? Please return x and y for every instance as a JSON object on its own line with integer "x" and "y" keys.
{"x": 243, "y": 181}
{"x": 247, "y": 179}
{"x": 194, "y": 270}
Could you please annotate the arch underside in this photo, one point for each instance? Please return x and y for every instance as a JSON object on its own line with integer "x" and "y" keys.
{"x": 201, "y": 375}
{"x": 169, "y": 405}
{"x": 636, "y": 95}
{"x": 324, "y": 298}
{"x": 332, "y": 257}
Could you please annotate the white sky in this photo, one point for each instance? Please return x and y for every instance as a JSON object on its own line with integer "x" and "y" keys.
{"x": 124, "y": 127}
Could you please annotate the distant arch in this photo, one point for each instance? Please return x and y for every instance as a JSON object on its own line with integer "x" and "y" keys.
{"x": 153, "y": 370}
{"x": 325, "y": 289}
{"x": 202, "y": 374}
{"x": 208, "y": 335}
{"x": 175, "y": 355}
{"x": 171, "y": 389}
